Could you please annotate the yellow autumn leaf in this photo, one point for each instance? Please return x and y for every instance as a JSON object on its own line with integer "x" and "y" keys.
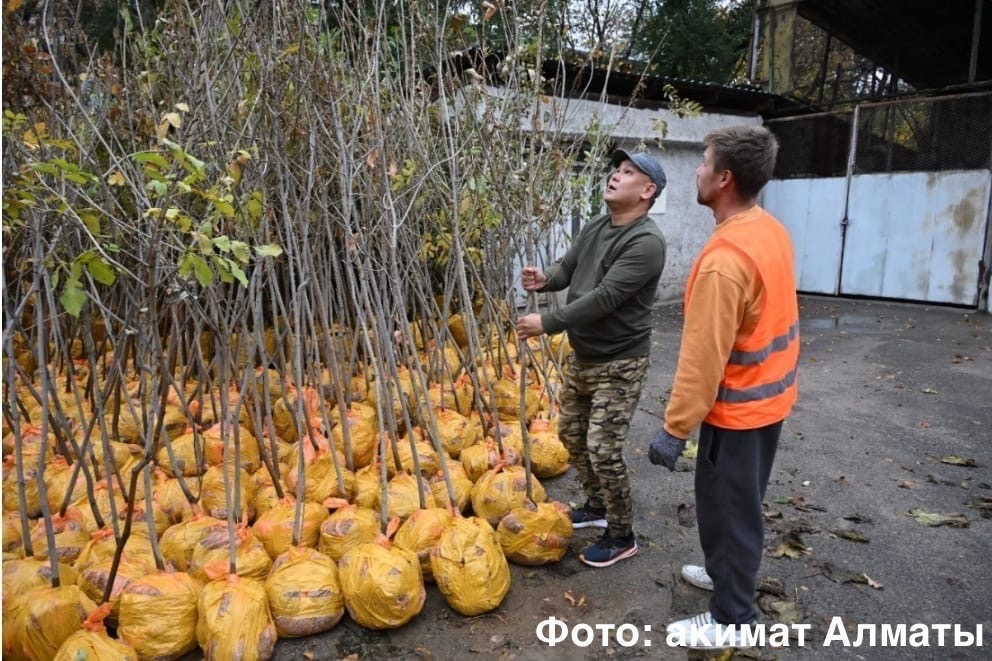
{"x": 173, "y": 118}
{"x": 182, "y": 107}
{"x": 162, "y": 130}
{"x": 14, "y": 5}
{"x": 116, "y": 178}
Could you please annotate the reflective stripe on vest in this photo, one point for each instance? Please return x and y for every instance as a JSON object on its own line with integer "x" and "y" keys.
{"x": 780, "y": 343}
{"x": 764, "y": 391}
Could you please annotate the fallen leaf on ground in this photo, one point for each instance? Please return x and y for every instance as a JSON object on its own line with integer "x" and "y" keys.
{"x": 851, "y": 535}
{"x": 955, "y": 460}
{"x": 928, "y": 391}
{"x": 872, "y": 583}
{"x": 790, "y": 546}
{"x": 770, "y": 585}
{"x": 691, "y": 448}
{"x": 907, "y": 484}
{"x": 573, "y": 601}
{"x": 960, "y": 358}
{"x": 935, "y": 519}
{"x": 859, "y": 518}
{"x": 983, "y": 504}
{"x": 937, "y": 479}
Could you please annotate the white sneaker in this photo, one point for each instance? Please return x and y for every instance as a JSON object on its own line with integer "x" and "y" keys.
{"x": 702, "y": 632}
{"x": 696, "y": 575}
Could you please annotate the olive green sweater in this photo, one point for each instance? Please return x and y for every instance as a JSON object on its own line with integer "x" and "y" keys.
{"x": 612, "y": 277}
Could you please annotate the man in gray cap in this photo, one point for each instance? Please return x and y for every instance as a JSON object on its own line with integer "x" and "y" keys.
{"x": 611, "y": 270}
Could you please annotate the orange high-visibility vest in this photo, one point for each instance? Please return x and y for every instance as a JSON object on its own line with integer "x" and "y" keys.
{"x": 760, "y": 379}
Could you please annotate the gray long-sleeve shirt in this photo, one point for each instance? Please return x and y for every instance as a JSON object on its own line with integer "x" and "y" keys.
{"x": 612, "y": 275}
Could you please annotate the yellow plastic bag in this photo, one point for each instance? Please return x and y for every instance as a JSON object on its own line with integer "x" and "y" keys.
{"x": 102, "y": 546}
{"x": 321, "y": 479}
{"x": 213, "y": 447}
{"x": 178, "y": 541}
{"x": 21, "y": 576}
{"x": 233, "y": 622}
{"x": 184, "y": 451}
{"x": 264, "y": 493}
{"x": 460, "y": 483}
{"x": 403, "y": 495}
{"x": 427, "y": 458}
{"x": 349, "y": 526}
{"x": 536, "y": 534}
{"x": 361, "y": 421}
{"x": 456, "y": 431}
{"x": 213, "y": 497}
{"x": 420, "y": 532}
{"x": 304, "y": 593}
{"x": 12, "y": 536}
{"x": 93, "y": 580}
{"x": 275, "y": 527}
{"x": 368, "y": 486}
{"x": 548, "y": 455}
{"x": 211, "y": 555}
{"x": 501, "y": 489}
{"x": 382, "y": 584}
{"x": 469, "y": 567}
{"x": 50, "y": 616}
{"x": 171, "y": 500}
{"x": 484, "y": 456}
{"x": 58, "y": 474}
{"x": 31, "y": 497}
{"x": 70, "y": 536}
{"x": 158, "y": 615}
{"x": 92, "y": 642}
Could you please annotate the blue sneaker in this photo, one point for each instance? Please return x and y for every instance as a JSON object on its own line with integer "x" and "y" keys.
{"x": 609, "y": 550}
{"x": 589, "y": 517}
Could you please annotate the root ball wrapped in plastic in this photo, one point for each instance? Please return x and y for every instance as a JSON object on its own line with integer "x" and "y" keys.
{"x": 213, "y": 493}
{"x": 420, "y": 532}
{"x": 31, "y": 497}
{"x": 178, "y": 541}
{"x": 171, "y": 500}
{"x": 456, "y": 432}
{"x": 427, "y": 459}
{"x": 102, "y": 546}
{"x": 548, "y": 455}
{"x": 13, "y": 543}
{"x": 469, "y": 567}
{"x": 304, "y": 593}
{"x": 403, "y": 495}
{"x": 361, "y": 422}
{"x": 58, "y": 474}
{"x": 536, "y": 534}
{"x": 49, "y": 616}
{"x": 93, "y": 642}
{"x": 275, "y": 527}
{"x": 22, "y": 576}
{"x": 211, "y": 556}
{"x": 265, "y": 496}
{"x": 233, "y": 620}
{"x": 478, "y": 459}
{"x": 368, "y": 486}
{"x": 213, "y": 446}
{"x": 347, "y": 527}
{"x": 460, "y": 483}
{"x": 158, "y": 615}
{"x": 501, "y": 489}
{"x": 184, "y": 452}
{"x": 93, "y": 580}
{"x": 322, "y": 479}
{"x": 382, "y": 583}
{"x": 71, "y": 536}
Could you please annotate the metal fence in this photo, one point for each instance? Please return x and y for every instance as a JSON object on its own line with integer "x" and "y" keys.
{"x": 906, "y": 135}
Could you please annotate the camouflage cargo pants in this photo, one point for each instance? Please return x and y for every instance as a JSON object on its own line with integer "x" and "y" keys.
{"x": 597, "y": 402}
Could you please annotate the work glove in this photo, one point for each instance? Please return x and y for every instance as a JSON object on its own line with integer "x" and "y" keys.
{"x": 665, "y": 449}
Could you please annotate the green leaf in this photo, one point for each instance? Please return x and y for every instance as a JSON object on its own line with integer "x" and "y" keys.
{"x": 223, "y": 243}
{"x": 201, "y": 270}
{"x": 238, "y": 273}
{"x": 157, "y": 188}
{"x": 268, "y": 250}
{"x": 73, "y": 297}
{"x": 934, "y": 519}
{"x": 224, "y": 208}
{"x": 955, "y": 460}
{"x": 101, "y": 271}
{"x": 91, "y": 220}
{"x": 152, "y": 157}
{"x": 240, "y": 251}
{"x": 46, "y": 168}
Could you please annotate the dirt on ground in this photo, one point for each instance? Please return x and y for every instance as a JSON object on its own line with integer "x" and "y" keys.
{"x": 877, "y": 511}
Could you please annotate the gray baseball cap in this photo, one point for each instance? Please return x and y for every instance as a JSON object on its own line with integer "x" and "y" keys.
{"x": 644, "y": 162}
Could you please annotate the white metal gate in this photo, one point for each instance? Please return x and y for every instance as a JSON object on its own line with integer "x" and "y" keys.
{"x": 869, "y": 221}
